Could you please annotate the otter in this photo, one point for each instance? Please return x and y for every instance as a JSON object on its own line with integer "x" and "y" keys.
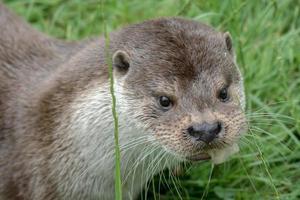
{"x": 179, "y": 92}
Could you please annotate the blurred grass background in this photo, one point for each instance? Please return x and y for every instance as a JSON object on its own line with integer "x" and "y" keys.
{"x": 266, "y": 39}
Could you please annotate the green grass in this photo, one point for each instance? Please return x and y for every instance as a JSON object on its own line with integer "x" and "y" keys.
{"x": 266, "y": 39}
{"x": 118, "y": 183}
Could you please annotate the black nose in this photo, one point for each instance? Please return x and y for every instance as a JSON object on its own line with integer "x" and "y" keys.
{"x": 205, "y": 132}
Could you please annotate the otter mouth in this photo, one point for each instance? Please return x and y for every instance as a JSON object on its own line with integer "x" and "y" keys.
{"x": 199, "y": 157}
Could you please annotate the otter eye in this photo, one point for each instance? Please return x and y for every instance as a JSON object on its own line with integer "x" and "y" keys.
{"x": 223, "y": 95}
{"x": 165, "y": 102}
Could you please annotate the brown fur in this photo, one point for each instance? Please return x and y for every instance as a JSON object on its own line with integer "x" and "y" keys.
{"x": 41, "y": 76}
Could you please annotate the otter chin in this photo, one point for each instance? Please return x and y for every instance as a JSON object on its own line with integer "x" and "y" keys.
{"x": 179, "y": 92}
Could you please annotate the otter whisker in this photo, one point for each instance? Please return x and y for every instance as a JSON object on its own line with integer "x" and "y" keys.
{"x": 140, "y": 159}
{"x": 154, "y": 165}
{"x": 134, "y": 170}
{"x": 161, "y": 156}
{"x": 175, "y": 180}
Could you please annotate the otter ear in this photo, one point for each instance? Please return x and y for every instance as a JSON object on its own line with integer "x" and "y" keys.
{"x": 228, "y": 42}
{"x": 120, "y": 62}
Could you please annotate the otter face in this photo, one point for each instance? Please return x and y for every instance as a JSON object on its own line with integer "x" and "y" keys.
{"x": 183, "y": 86}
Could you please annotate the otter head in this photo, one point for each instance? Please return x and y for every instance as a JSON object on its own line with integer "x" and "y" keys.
{"x": 181, "y": 84}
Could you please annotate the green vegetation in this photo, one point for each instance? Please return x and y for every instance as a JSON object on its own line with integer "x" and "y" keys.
{"x": 266, "y": 38}
{"x": 118, "y": 183}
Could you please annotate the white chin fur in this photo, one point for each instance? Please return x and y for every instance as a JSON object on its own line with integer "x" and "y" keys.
{"x": 219, "y": 156}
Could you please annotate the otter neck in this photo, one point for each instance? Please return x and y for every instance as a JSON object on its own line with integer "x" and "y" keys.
{"x": 92, "y": 130}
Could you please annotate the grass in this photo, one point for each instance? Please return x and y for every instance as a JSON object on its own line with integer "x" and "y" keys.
{"x": 118, "y": 183}
{"x": 266, "y": 39}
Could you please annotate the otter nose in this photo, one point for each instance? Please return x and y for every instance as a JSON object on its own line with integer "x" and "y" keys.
{"x": 205, "y": 132}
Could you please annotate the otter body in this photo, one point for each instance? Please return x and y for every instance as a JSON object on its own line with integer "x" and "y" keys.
{"x": 56, "y": 127}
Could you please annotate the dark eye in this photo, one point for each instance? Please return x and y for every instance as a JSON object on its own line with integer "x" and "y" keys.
{"x": 165, "y": 102}
{"x": 223, "y": 95}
